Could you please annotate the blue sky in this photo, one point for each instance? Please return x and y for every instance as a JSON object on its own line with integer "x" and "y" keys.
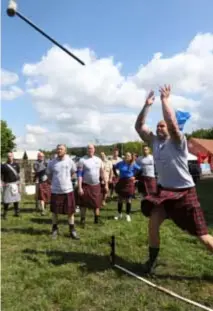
{"x": 131, "y": 31}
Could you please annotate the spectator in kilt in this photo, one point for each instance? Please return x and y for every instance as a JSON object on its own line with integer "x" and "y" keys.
{"x": 146, "y": 181}
{"x": 176, "y": 198}
{"x": 43, "y": 190}
{"x": 60, "y": 171}
{"x": 11, "y": 188}
{"x": 90, "y": 172}
{"x": 108, "y": 171}
{"x": 115, "y": 159}
{"x": 125, "y": 186}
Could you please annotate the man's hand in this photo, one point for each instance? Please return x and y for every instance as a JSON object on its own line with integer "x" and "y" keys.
{"x": 165, "y": 92}
{"x": 150, "y": 98}
{"x": 80, "y": 191}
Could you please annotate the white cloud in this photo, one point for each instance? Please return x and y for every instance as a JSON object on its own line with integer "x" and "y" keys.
{"x": 98, "y": 102}
{"x": 9, "y": 91}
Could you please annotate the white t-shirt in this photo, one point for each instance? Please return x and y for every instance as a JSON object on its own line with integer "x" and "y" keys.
{"x": 91, "y": 169}
{"x": 60, "y": 172}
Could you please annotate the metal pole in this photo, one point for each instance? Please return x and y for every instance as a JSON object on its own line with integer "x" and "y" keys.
{"x": 11, "y": 11}
{"x": 112, "y": 254}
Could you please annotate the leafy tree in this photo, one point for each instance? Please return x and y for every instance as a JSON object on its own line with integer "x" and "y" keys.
{"x": 7, "y": 139}
{"x": 202, "y": 133}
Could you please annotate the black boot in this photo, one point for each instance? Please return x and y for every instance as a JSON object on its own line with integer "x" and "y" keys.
{"x": 54, "y": 231}
{"x": 97, "y": 220}
{"x": 4, "y": 215}
{"x": 151, "y": 263}
{"x": 16, "y": 209}
{"x": 73, "y": 233}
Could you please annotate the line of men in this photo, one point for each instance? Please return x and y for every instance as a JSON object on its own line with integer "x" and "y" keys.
{"x": 173, "y": 196}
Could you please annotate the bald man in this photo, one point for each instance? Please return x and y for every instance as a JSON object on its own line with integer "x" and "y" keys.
{"x": 60, "y": 171}
{"x": 176, "y": 198}
{"x": 90, "y": 171}
{"x": 11, "y": 188}
{"x": 43, "y": 191}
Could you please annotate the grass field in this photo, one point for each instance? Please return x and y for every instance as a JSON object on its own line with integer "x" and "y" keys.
{"x": 42, "y": 274}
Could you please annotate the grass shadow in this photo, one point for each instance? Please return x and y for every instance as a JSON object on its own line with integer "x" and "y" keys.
{"x": 89, "y": 262}
{"x": 30, "y": 230}
{"x": 99, "y": 263}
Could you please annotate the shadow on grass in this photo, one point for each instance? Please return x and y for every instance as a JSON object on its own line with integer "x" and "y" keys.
{"x": 46, "y": 221}
{"x": 30, "y": 230}
{"x": 99, "y": 263}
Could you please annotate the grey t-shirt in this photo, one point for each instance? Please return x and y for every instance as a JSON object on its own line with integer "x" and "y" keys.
{"x": 147, "y": 165}
{"x": 172, "y": 163}
{"x": 90, "y": 166}
{"x": 60, "y": 172}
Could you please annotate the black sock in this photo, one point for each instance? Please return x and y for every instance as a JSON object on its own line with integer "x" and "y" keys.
{"x": 153, "y": 254}
{"x": 96, "y": 219}
{"x": 55, "y": 227}
{"x": 128, "y": 208}
{"x": 6, "y": 206}
{"x": 72, "y": 227}
{"x": 16, "y": 207}
{"x": 120, "y": 207}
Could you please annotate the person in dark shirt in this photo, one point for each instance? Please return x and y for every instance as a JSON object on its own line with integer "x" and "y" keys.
{"x": 43, "y": 188}
{"x": 10, "y": 179}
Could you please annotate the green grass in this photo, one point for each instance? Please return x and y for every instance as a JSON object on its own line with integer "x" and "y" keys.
{"x": 42, "y": 274}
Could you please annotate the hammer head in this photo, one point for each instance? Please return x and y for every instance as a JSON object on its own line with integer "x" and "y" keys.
{"x": 12, "y": 7}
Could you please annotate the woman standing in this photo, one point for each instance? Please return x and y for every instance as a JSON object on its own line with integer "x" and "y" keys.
{"x": 146, "y": 181}
{"x": 125, "y": 187}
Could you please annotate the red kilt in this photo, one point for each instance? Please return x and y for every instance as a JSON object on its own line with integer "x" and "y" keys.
{"x": 181, "y": 206}
{"x": 125, "y": 188}
{"x": 91, "y": 198}
{"x": 44, "y": 192}
{"x": 147, "y": 185}
{"x": 62, "y": 203}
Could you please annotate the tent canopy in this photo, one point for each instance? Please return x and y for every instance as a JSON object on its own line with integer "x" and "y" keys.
{"x": 191, "y": 157}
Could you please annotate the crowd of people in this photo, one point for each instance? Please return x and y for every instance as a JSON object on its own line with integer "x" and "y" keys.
{"x": 171, "y": 195}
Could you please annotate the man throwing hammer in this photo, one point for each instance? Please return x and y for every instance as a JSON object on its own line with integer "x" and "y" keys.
{"x": 176, "y": 197}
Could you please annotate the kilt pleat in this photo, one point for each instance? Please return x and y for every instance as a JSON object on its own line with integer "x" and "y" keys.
{"x": 181, "y": 206}
{"x": 62, "y": 203}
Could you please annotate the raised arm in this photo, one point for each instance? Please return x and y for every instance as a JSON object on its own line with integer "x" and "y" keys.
{"x": 169, "y": 115}
{"x": 140, "y": 126}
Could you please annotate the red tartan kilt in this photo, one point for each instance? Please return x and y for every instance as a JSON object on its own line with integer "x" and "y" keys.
{"x": 62, "y": 203}
{"x": 91, "y": 198}
{"x": 125, "y": 187}
{"x": 44, "y": 192}
{"x": 115, "y": 180}
{"x": 181, "y": 206}
{"x": 103, "y": 190}
{"x": 147, "y": 185}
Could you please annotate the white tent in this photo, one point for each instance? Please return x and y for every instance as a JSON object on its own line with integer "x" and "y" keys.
{"x": 191, "y": 157}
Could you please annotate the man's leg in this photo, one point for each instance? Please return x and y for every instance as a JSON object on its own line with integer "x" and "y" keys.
{"x": 158, "y": 215}
{"x": 6, "y": 207}
{"x": 42, "y": 207}
{"x": 16, "y": 209}
{"x": 207, "y": 240}
{"x": 97, "y": 215}
{"x": 71, "y": 221}
{"x": 54, "y": 225}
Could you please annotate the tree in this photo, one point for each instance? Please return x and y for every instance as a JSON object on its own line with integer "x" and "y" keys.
{"x": 202, "y": 133}
{"x": 7, "y": 139}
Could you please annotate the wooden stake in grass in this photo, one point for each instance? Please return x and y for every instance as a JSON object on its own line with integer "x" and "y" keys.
{"x": 160, "y": 288}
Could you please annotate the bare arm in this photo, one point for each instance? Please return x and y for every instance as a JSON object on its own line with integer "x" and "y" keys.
{"x": 169, "y": 115}
{"x": 140, "y": 126}
{"x": 102, "y": 174}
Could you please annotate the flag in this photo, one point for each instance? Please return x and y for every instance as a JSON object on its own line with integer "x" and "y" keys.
{"x": 182, "y": 117}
